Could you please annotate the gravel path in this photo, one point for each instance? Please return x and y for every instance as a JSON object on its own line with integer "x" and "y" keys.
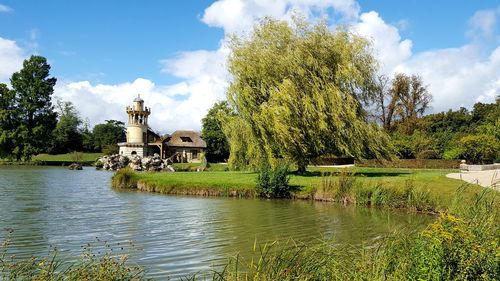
{"x": 489, "y": 178}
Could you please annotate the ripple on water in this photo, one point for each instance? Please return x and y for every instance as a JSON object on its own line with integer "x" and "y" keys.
{"x": 174, "y": 235}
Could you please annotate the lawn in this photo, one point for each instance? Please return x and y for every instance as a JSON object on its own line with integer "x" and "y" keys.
{"x": 68, "y": 157}
{"x": 436, "y": 191}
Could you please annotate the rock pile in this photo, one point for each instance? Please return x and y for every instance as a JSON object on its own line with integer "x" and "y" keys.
{"x": 136, "y": 163}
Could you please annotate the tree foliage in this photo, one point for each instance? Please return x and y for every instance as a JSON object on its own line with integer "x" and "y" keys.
{"x": 402, "y": 100}
{"x": 67, "y": 136}
{"x": 32, "y": 108}
{"x": 299, "y": 88}
{"x": 212, "y": 133}
{"x": 109, "y": 133}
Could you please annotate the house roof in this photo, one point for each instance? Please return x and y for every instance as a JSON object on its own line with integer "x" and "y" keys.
{"x": 186, "y": 139}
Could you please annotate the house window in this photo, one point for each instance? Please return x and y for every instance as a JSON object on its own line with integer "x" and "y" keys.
{"x": 186, "y": 139}
{"x": 194, "y": 154}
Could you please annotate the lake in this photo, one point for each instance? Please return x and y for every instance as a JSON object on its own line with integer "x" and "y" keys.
{"x": 48, "y": 207}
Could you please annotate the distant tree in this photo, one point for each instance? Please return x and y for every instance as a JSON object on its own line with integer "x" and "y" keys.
{"x": 34, "y": 111}
{"x": 413, "y": 99}
{"x": 109, "y": 133}
{"x": 385, "y": 101}
{"x": 87, "y": 137}
{"x": 299, "y": 89}
{"x": 8, "y": 121}
{"x": 67, "y": 135}
{"x": 217, "y": 145}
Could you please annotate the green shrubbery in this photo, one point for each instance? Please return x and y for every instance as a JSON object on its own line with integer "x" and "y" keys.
{"x": 273, "y": 182}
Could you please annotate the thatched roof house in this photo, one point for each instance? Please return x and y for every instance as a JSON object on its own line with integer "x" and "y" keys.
{"x": 186, "y": 139}
{"x": 188, "y": 145}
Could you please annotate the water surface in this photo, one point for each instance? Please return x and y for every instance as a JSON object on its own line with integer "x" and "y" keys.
{"x": 169, "y": 235}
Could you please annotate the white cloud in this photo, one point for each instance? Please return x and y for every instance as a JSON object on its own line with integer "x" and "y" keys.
{"x": 482, "y": 24}
{"x": 390, "y": 49}
{"x": 11, "y": 59}
{"x": 456, "y": 76}
{"x": 102, "y": 101}
{"x": 5, "y": 9}
{"x": 240, "y": 15}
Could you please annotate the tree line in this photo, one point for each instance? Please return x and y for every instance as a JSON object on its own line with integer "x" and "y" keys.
{"x": 301, "y": 91}
{"x": 31, "y": 124}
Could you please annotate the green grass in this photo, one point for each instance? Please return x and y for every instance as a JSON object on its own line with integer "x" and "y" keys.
{"x": 419, "y": 189}
{"x": 68, "y": 157}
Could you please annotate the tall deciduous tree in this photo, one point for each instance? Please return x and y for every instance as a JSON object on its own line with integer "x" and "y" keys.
{"x": 34, "y": 111}
{"x": 109, "y": 133}
{"x": 300, "y": 87}
{"x": 413, "y": 99}
{"x": 8, "y": 121}
{"x": 217, "y": 145}
{"x": 67, "y": 136}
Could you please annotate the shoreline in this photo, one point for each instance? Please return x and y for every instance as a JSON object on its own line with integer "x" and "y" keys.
{"x": 413, "y": 198}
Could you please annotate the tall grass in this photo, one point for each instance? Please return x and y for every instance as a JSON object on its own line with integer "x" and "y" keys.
{"x": 345, "y": 188}
{"x": 89, "y": 266}
{"x": 462, "y": 244}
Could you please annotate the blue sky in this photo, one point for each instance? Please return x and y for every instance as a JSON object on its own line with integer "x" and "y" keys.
{"x": 104, "y": 52}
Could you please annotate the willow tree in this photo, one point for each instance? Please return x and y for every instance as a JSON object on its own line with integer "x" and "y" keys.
{"x": 299, "y": 88}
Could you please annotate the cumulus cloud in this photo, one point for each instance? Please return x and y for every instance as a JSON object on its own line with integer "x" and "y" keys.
{"x": 456, "y": 76}
{"x": 100, "y": 102}
{"x": 240, "y": 15}
{"x": 482, "y": 24}
{"x": 389, "y": 48}
{"x": 5, "y": 9}
{"x": 11, "y": 59}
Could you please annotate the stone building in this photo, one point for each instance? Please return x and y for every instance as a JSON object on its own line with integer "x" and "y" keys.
{"x": 181, "y": 146}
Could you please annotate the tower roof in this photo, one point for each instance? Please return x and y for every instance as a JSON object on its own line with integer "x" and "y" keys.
{"x": 138, "y": 99}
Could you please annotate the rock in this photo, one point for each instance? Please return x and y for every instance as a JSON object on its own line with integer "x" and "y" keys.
{"x": 75, "y": 166}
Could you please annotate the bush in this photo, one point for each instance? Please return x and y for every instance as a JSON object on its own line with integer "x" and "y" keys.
{"x": 273, "y": 182}
{"x": 428, "y": 154}
{"x": 124, "y": 178}
{"x": 479, "y": 148}
{"x": 110, "y": 149}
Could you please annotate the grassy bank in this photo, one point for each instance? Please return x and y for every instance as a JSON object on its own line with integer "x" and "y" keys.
{"x": 85, "y": 158}
{"x": 421, "y": 190}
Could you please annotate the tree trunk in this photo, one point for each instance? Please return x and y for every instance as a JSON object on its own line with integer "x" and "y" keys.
{"x": 301, "y": 165}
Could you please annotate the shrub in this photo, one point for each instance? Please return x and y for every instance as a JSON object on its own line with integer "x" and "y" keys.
{"x": 124, "y": 178}
{"x": 273, "y": 182}
{"x": 479, "y": 148}
{"x": 428, "y": 154}
{"x": 110, "y": 149}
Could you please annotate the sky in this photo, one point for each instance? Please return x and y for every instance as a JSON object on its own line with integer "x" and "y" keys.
{"x": 173, "y": 53}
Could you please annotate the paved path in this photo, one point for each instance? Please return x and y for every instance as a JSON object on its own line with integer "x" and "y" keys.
{"x": 489, "y": 178}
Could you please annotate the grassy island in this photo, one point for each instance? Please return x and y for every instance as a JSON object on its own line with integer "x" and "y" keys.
{"x": 415, "y": 189}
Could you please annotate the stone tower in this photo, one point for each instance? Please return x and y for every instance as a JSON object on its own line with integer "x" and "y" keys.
{"x": 137, "y": 129}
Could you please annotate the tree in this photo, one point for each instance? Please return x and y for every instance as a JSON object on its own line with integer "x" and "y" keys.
{"x": 67, "y": 135}
{"x": 33, "y": 107}
{"x": 217, "y": 145}
{"x": 7, "y": 121}
{"x": 404, "y": 99}
{"x": 299, "y": 89}
{"x": 109, "y": 133}
{"x": 413, "y": 99}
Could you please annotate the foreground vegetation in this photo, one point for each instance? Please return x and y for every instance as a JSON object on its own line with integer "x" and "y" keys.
{"x": 463, "y": 243}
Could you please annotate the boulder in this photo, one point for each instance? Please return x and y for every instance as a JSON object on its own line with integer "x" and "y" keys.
{"x": 75, "y": 166}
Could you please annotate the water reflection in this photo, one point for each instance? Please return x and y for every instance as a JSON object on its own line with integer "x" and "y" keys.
{"x": 173, "y": 234}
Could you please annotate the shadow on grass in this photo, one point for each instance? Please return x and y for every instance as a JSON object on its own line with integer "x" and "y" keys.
{"x": 358, "y": 174}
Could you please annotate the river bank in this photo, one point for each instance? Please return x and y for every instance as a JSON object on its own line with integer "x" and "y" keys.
{"x": 428, "y": 191}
